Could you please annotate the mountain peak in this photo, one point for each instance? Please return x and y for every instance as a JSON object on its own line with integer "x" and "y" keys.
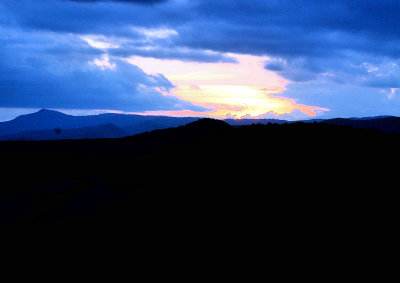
{"x": 48, "y": 111}
{"x": 208, "y": 123}
{"x": 46, "y": 114}
{"x": 44, "y": 110}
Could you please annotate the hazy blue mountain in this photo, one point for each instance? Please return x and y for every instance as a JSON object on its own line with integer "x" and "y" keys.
{"x": 41, "y": 120}
{"x": 91, "y": 132}
{"x": 50, "y": 120}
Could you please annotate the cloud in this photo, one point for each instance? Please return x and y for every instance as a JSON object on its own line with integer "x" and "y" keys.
{"x": 350, "y": 68}
{"x": 124, "y": 87}
{"x": 345, "y": 100}
{"x": 44, "y": 72}
{"x": 280, "y": 28}
{"x": 295, "y": 115}
{"x": 286, "y": 29}
{"x": 183, "y": 54}
{"x": 318, "y": 44}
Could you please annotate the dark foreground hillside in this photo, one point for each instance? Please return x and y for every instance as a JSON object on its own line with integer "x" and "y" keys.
{"x": 205, "y": 181}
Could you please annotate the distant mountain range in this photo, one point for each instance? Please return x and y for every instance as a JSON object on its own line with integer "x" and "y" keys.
{"x": 50, "y": 125}
{"x": 53, "y": 125}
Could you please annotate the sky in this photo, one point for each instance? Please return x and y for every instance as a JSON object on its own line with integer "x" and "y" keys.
{"x": 282, "y": 59}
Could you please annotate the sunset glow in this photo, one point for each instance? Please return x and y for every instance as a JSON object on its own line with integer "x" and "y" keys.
{"x": 239, "y": 89}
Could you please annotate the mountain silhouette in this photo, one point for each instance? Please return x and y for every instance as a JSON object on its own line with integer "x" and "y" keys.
{"x": 204, "y": 172}
{"x": 207, "y": 124}
{"x": 50, "y": 120}
{"x": 43, "y": 119}
{"x": 203, "y": 184}
{"x": 385, "y": 124}
{"x": 42, "y": 125}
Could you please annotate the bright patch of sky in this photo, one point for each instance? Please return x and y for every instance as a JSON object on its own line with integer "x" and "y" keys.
{"x": 243, "y": 89}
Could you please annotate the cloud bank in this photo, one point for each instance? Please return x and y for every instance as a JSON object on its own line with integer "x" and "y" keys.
{"x": 341, "y": 55}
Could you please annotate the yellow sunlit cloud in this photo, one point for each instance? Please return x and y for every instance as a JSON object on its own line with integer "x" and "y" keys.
{"x": 238, "y": 89}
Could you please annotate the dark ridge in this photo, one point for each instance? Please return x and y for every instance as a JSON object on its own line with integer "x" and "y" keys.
{"x": 384, "y": 124}
{"x": 48, "y": 120}
{"x": 205, "y": 178}
{"x": 208, "y": 124}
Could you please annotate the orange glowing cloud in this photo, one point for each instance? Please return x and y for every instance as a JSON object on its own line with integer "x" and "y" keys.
{"x": 238, "y": 89}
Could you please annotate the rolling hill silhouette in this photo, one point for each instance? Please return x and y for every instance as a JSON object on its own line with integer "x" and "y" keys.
{"x": 48, "y": 125}
{"x": 205, "y": 176}
{"x": 386, "y": 124}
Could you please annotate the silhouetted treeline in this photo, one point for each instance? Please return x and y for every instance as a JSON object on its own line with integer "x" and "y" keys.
{"x": 205, "y": 177}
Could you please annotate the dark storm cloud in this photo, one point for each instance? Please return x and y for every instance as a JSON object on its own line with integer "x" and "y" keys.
{"x": 53, "y": 71}
{"x": 278, "y": 28}
{"x": 124, "y": 87}
{"x": 186, "y": 55}
{"x": 284, "y": 28}
{"x": 101, "y": 17}
{"x": 297, "y": 28}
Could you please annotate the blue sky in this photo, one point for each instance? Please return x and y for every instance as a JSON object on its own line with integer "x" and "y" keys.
{"x": 285, "y": 59}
